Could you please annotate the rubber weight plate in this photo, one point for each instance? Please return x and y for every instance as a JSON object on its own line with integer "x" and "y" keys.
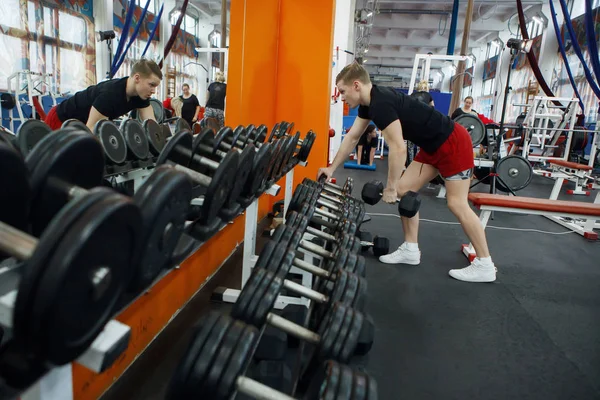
{"x": 112, "y": 140}
{"x": 474, "y": 126}
{"x": 260, "y": 134}
{"x": 164, "y": 200}
{"x": 155, "y": 136}
{"x": 252, "y": 305}
{"x": 76, "y": 124}
{"x": 136, "y": 139}
{"x": 333, "y": 332}
{"x": 515, "y": 171}
{"x": 68, "y": 149}
{"x": 260, "y": 169}
{"x": 16, "y": 189}
{"x": 30, "y": 133}
{"x": 224, "y": 135}
{"x": 182, "y": 125}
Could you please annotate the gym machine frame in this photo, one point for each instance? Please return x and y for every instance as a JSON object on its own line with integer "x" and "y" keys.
{"x": 26, "y": 76}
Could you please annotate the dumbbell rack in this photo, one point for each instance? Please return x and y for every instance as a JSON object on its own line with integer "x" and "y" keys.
{"x": 250, "y": 257}
{"x": 58, "y": 382}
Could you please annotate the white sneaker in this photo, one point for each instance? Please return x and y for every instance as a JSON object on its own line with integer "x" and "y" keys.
{"x": 476, "y": 272}
{"x": 402, "y": 256}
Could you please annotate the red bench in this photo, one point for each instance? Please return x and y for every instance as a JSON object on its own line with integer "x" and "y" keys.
{"x": 488, "y": 203}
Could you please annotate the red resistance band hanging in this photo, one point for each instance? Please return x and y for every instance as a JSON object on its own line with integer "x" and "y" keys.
{"x": 174, "y": 34}
{"x": 531, "y": 57}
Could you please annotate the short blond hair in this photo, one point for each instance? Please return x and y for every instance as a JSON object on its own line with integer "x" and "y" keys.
{"x": 353, "y": 72}
{"x": 423, "y": 86}
{"x": 220, "y": 77}
{"x": 146, "y": 68}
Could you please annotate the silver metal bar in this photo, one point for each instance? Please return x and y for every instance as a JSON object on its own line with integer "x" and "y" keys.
{"x": 321, "y": 234}
{"x": 195, "y": 175}
{"x": 16, "y": 243}
{"x": 207, "y": 162}
{"x": 331, "y": 198}
{"x": 308, "y": 267}
{"x": 259, "y": 391}
{"x": 313, "y": 248}
{"x": 293, "y": 329}
{"x": 304, "y": 291}
{"x": 559, "y": 129}
{"x": 326, "y": 214}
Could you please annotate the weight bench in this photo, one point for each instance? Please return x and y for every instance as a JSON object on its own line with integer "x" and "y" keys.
{"x": 561, "y": 170}
{"x": 531, "y": 205}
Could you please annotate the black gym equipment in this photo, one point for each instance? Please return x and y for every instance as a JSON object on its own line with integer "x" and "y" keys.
{"x": 138, "y": 147}
{"x": 112, "y": 140}
{"x": 304, "y": 194}
{"x": 332, "y": 188}
{"x": 76, "y": 124}
{"x": 338, "y": 333}
{"x": 474, "y": 126}
{"x": 380, "y": 245}
{"x": 71, "y": 277}
{"x": 178, "y": 153}
{"x": 30, "y": 133}
{"x": 408, "y": 205}
{"x": 156, "y": 136}
{"x": 215, "y": 363}
{"x": 7, "y": 101}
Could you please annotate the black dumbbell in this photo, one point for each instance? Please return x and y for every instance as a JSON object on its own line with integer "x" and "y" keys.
{"x": 73, "y": 275}
{"x": 178, "y": 153}
{"x": 215, "y": 363}
{"x": 227, "y": 138}
{"x": 252, "y": 171}
{"x": 332, "y": 189}
{"x": 303, "y": 194}
{"x": 138, "y": 147}
{"x": 380, "y": 245}
{"x": 341, "y": 225}
{"x": 202, "y": 150}
{"x": 30, "y": 133}
{"x": 76, "y": 124}
{"x": 157, "y": 139}
{"x": 112, "y": 140}
{"x": 327, "y": 200}
{"x": 337, "y": 336}
{"x": 337, "y": 198}
{"x": 66, "y": 165}
{"x": 408, "y": 205}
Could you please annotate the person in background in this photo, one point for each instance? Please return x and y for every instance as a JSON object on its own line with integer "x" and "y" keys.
{"x": 465, "y": 109}
{"x": 111, "y": 99}
{"x": 215, "y": 99}
{"x": 191, "y": 105}
{"x": 365, "y": 150}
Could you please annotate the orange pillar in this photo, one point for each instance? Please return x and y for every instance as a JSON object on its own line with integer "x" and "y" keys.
{"x": 252, "y": 70}
{"x": 304, "y": 66}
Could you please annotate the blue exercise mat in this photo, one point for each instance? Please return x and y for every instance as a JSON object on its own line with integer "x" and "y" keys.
{"x": 353, "y": 165}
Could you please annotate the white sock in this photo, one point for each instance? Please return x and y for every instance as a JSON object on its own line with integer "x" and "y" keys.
{"x": 412, "y": 246}
{"x": 485, "y": 261}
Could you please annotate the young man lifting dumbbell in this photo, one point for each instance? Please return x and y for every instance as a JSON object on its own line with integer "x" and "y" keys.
{"x": 111, "y": 99}
{"x": 445, "y": 148}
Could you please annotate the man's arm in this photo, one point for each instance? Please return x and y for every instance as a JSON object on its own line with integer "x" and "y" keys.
{"x": 349, "y": 142}
{"x": 93, "y": 118}
{"x": 372, "y": 155}
{"x": 147, "y": 113}
{"x": 397, "y": 152}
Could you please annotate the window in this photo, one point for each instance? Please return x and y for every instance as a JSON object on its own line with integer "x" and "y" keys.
{"x": 34, "y": 43}
{"x": 188, "y": 24}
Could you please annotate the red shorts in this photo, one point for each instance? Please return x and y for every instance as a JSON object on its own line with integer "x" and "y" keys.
{"x": 454, "y": 155}
{"x": 52, "y": 119}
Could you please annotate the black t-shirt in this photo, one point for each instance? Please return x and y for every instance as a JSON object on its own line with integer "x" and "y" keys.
{"x": 216, "y": 99}
{"x": 366, "y": 142}
{"x": 421, "y": 124}
{"x": 108, "y": 97}
{"x": 425, "y": 97}
{"x": 188, "y": 110}
{"x": 459, "y": 111}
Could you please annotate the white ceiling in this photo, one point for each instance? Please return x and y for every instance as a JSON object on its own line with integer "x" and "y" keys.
{"x": 399, "y": 29}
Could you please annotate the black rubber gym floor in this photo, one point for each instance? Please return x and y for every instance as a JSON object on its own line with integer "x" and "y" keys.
{"x": 533, "y": 334}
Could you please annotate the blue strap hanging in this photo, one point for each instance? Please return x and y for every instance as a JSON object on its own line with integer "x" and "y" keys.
{"x": 561, "y": 46}
{"x": 577, "y": 49}
{"x": 590, "y": 30}
{"x": 124, "y": 34}
{"x": 136, "y": 31}
{"x": 154, "y": 30}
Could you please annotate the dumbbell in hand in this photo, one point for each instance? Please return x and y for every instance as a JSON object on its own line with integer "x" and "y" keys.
{"x": 214, "y": 367}
{"x": 408, "y": 205}
{"x": 74, "y": 274}
{"x": 337, "y": 336}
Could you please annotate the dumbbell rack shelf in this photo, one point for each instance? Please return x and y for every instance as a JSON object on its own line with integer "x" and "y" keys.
{"x": 58, "y": 382}
{"x": 250, "y": 257}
